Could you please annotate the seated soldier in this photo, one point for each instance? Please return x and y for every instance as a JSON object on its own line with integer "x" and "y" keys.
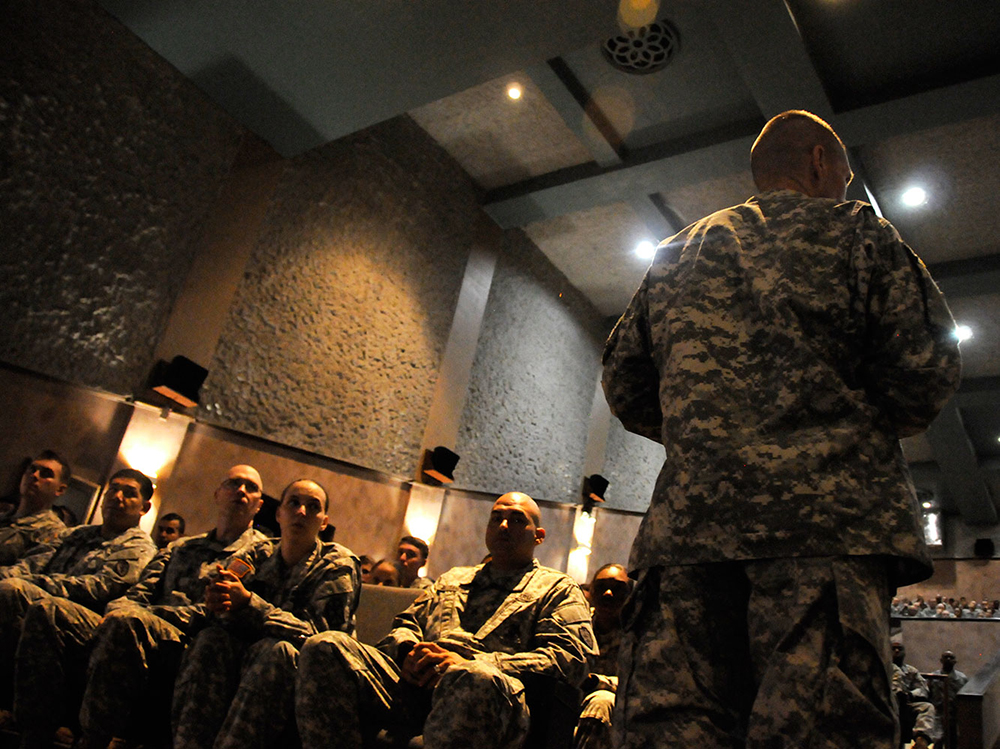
{"x": 33, "y": 522}
{"x": 944, "y": 697}
{"x": 411, "y": 556}
{"x": 236, "y": 685}
{"x": 169, "y": 528}
{"x": 385, "y": 573}
{"x": 916, "y": 714}
{"x": 607, "y": 593}
{"x": 90, "y": 566}
{"x": 454, "y": 665}
{"x": 138, "y": 645}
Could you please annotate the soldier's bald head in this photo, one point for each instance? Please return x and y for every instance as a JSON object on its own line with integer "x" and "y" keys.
{"x": 783, "y": 149}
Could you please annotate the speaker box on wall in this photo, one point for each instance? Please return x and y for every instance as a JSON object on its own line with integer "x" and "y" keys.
{"x": 984, "y": 548}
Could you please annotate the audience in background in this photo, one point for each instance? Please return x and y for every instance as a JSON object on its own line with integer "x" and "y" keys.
{"x": 918, "y": 608}
{"x": 33, "y": 522}
{"x": 169, "y": 528}
{"x": 384, "y": 572}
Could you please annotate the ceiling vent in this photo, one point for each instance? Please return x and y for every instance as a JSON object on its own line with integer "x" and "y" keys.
{"x": 643, "y": 50}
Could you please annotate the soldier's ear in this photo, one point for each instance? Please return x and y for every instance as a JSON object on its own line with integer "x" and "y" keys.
{"x": 539, "y": 535}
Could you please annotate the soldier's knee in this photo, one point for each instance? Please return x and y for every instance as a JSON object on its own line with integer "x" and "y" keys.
{"x": 326, "y": 650}
{"x": 473, "y": 676}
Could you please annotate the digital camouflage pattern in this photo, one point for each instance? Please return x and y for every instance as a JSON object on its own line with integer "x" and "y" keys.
{"x": 942, "y": 689}
{"x": 236, "y": 684}
{"x": 778, "y": 350}
{"x": 18, "y": 536}
{"x": 85, "y": 567}
{"x": 593, "y": 729}
{"x": 535, "y": 621}
{"x": 57, "y": 634}
{"x": 908, "y": 682}
{"x": 510, "y": 627}
{"x": 769, "y": 653}
{"x": 173, "y": 584}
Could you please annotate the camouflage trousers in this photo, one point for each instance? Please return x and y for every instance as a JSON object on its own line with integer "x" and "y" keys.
{"x": 233, "y": 695}
{"x": 347, "y": 691}
{"x": 16, "y": 596}
{"x": 131, "y": 675}
{"x": 51, "y": 662}
{"x": 770, "y": 653}
{"x": 593, "y": 730}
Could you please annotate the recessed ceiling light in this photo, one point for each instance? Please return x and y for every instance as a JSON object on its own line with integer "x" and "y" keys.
{"x": 514, "y": 91}
{"x": 914, "y": 196}
{"x": 963, "y": 332}
{"x": 927, "y": 505}
{"x": 645, "y": 250}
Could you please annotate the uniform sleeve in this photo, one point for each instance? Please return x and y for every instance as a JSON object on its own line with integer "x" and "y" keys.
{"x": 16, "y": 541}
{"x": 119, "y": 570}
{"x": 630, "y": 380}
{"x": 409, "y": 626}
{"x": 31, "y": 563}
{"x": 150, "y": 584}
{"x": 912, "y": 365}
{"x": 563, "y": 644}
{"x": 330, "y": 601}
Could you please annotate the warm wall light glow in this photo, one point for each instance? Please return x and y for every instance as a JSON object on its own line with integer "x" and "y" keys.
{"x": 914, "y": 197}
{"x": 514, "y": 91}
{"x": 963, "y": 332}
{"x": 423, "y": 511}
{"x": 646, "y": 250}
{"x": 578, "y": 564}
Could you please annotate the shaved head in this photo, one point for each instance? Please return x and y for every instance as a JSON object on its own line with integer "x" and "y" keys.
{"x": 522, "y": 500}
{"x": 784, "y": 149}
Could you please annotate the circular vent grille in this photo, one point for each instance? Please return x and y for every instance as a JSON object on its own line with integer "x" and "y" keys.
{"x": 643, "y": 50}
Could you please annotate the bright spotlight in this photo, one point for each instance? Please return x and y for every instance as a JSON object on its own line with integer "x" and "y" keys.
{"x": 514, "y": 91}
{"x": 927, "y": 505}
{"x": 645, "y": 250}
{"x": 963, "y": 332}
{"x": 914, "y": 196}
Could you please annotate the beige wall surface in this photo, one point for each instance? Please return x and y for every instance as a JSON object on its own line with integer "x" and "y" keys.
{"x": 973, "y": 642}
{"x": 83, "y": 425}
{"x": 368, "y": 513}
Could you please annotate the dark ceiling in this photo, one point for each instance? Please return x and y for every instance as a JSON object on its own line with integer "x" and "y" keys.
{"x": 591, "y": 160}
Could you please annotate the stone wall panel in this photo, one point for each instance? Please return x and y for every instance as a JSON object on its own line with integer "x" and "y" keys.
{"x": 110, "y": 161}
{"x": 334, "y": 341}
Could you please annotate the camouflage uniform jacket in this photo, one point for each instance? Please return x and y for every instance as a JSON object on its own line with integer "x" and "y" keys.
{"x": 87, "y": 568}
{"x": 319, "y": 593}
{"x": 18, "y": 536}
{"x": 908, "y": 679}
{"x": 778, "y": 350}
{"x": 173, "y": 584}
{"x": 604, "y": 672}
{"x": 534, "y": 622}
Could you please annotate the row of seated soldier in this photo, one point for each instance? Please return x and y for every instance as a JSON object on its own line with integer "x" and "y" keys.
{"x": 942, "y": 608}
{"x": 233, "y": 639}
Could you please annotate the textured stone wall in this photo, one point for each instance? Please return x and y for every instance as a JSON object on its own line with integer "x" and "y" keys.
{"x": 525, "y": 422}
{"x": 109, "y": 161}
{"x": 631, "y": 465}
{"x": 335, "y": 338}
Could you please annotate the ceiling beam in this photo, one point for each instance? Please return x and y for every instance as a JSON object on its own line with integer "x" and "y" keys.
{"x": 753, "y": 31}
{"x": 578, "y": 110}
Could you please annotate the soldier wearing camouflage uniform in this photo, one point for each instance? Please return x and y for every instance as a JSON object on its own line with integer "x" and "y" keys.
{"x": 33, "y": 522}
{"x": 138, "y": 646}
{"x": 607, "y": 593}
{"x": 90, "y": 566}
{"x": 911, "y": 690}
{"x": 455, "y": 663}
{"x": 778, "y": 350}
{"x": 236, "y": 684}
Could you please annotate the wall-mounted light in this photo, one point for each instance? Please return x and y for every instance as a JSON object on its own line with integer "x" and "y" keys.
{"x": 963, "y": 332}
{"x": 514, "y": 91}
{"x": 645, "y": 250}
